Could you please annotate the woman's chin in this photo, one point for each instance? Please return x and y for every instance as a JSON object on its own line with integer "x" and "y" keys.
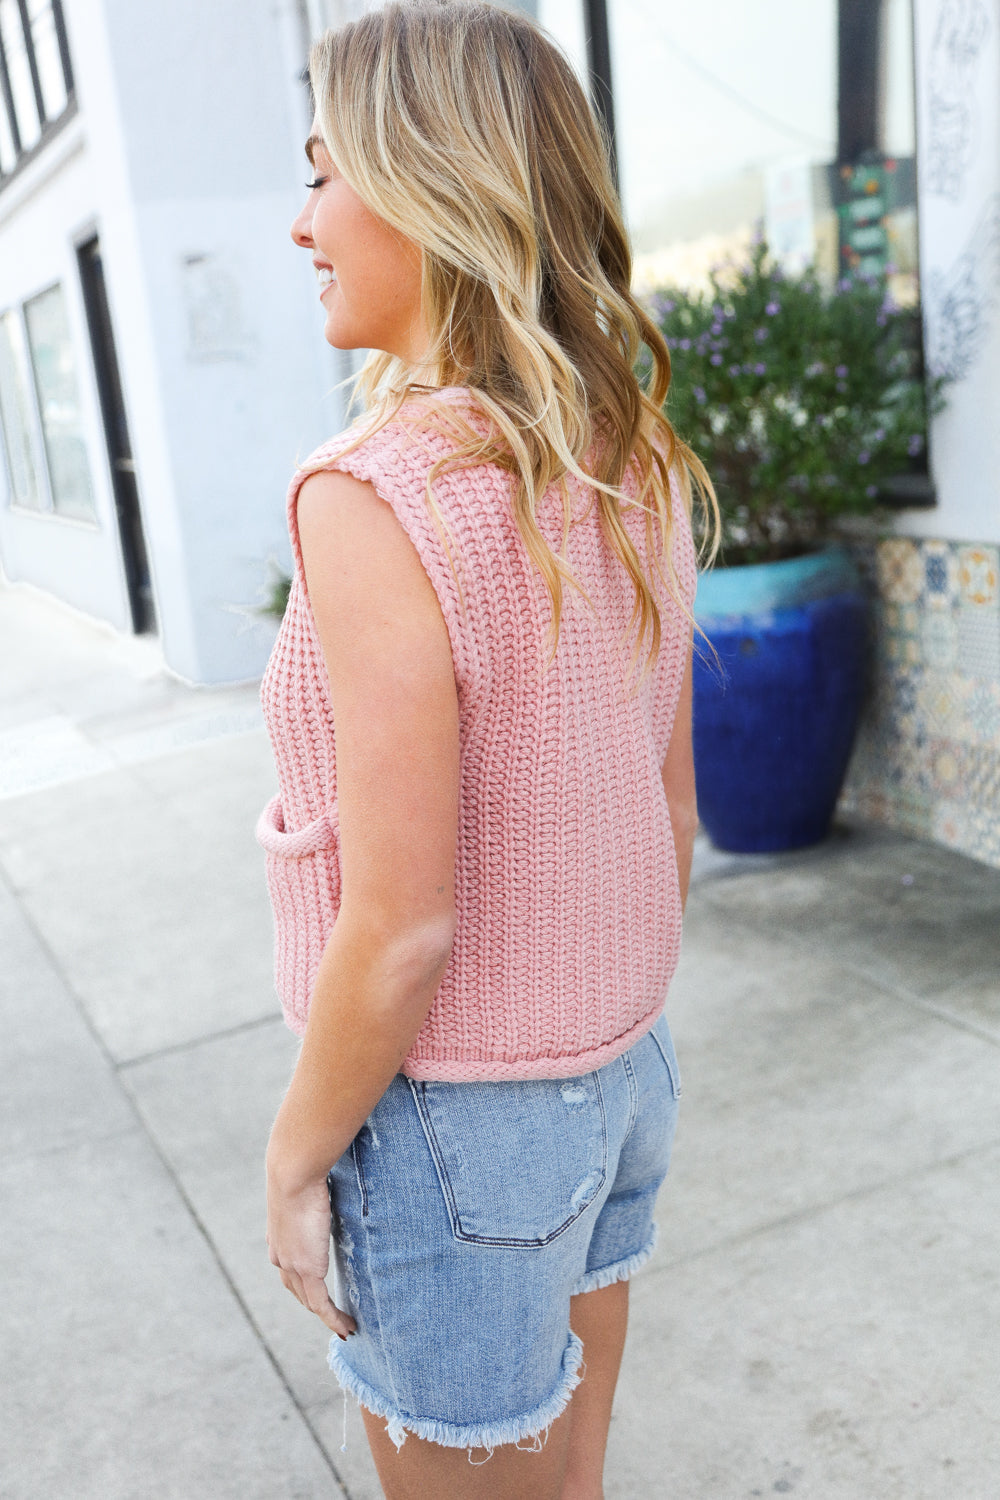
{"x": 336, "y": 336}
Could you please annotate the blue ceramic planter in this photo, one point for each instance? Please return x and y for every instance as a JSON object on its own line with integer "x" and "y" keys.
{"x": 773, "y": 729}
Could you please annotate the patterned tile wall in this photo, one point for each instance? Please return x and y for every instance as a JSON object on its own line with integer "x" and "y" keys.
{"x": 927, "y": 758}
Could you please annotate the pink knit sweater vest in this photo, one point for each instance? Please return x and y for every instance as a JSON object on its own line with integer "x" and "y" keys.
{"x": 569, "y": 913}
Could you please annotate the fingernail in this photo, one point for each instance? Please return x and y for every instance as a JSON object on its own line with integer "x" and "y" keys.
{"x": 342, "y": 1339}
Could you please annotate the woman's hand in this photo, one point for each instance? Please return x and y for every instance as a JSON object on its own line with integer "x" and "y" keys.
{"x": 298, "y": 1239}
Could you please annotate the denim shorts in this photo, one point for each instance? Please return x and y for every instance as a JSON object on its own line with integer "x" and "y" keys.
{"x": 465, "y": 1216}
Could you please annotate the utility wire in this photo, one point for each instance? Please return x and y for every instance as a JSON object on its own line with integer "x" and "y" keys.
{"x": 725, "y": 88}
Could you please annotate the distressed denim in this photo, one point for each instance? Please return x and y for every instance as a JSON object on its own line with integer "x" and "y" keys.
{"x": 465, "y": 1216}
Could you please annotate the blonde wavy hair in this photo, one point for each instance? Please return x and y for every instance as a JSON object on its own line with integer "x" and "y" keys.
{"x": 463, "y": 126}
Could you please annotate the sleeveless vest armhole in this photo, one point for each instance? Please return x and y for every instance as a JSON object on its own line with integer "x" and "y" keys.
{"x": 400, "y": 480}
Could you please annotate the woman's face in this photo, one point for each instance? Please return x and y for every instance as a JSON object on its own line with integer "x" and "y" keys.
{"x": 368, "y": 273}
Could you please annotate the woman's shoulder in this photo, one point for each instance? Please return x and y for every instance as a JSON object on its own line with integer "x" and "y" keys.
{"x": 428, "y": 423}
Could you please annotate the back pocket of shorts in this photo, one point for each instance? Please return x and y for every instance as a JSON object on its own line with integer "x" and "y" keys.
{"x": 518, "y": 1162}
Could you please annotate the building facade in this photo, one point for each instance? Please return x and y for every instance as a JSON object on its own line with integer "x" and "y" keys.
{"x": 928, "y": 757}
{"x": 161, "y": 357}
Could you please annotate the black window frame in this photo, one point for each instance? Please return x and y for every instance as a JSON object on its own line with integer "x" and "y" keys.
{"x": 48, "y": 126}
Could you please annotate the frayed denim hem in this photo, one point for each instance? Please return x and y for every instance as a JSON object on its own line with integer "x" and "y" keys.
{"x": 619, "y": 1270}
{"x": 448, "y": 1434}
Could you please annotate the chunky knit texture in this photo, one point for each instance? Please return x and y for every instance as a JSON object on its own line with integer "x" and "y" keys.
{"x": 569, "y": 912}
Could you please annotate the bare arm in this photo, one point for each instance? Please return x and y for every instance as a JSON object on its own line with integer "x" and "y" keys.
{"x": 395, "y": 710}
{"x": 678, "y": 783}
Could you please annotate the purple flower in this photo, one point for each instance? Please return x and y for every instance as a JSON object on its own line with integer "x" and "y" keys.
{"x": 699, "y": 395}
{"x": 864, "y": 456}
{"x": 760, "y": 334}
{"x": 716, "y": 329}
{"x": 716, "y": 359}
{"x": 871, "y": 490}
{"x": 734, "y": 369}
{"x": 684, "y": 344}
{"x": 882, "y": 319}
{"x": 841, "y": 386}
{"x": 844, "y": 284}
{"x": 878, "y": 436}
{"x": 915, "y": 445}
{"x": 841, "y": 372}
{"x": 666, "y": 306}
{"x": 760, "y": 369}
{"x": 772, "y": 309}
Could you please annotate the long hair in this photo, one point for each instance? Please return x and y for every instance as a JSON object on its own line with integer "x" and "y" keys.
{"x": 463, "y": 126}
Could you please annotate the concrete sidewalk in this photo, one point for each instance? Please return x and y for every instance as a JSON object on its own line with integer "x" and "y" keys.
{"x": 821, "y": 1314}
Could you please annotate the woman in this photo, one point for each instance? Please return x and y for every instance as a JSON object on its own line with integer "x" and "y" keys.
{"x": 478, "y": 896}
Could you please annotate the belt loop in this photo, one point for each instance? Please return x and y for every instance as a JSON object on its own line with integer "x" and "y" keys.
{"x": 633, "y": 1093}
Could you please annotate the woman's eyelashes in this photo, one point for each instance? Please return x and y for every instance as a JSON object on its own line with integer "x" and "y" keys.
{"x": 317, "y": 182}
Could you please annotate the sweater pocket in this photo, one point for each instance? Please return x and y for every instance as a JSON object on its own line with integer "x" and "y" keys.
{"x": 303, "y": 878}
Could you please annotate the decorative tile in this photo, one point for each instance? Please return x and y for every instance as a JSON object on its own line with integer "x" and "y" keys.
{"x": 982, "y": 829}
{"x": 950, "y": 824}
{"x": 979, "y": 576}
{"x": 982, "y": 714}
{"x": 982, "y": 781}
{"x": 900, "y": 570}
{"x": 927, "y": 757}
{"x": 939, "y": 639}
{"x": 912, "y": 766}
{"x": 901, "y": 619}
{"x": 939, "y": 702}
{"x": 903, "y": 650}
{"x": 940, "y": 575}
{"x": 978, "y": 642}
{"x": 947, "y": 768}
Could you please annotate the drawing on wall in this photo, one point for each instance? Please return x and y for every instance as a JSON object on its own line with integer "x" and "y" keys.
{"x": 959, "y": 299}
{"x": 213, "y": 309}
{"x": 961, "y": 31}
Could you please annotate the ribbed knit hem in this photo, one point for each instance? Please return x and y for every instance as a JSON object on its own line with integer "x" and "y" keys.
{"x": 487, "y": 1435}
{"x": 472, "y": 1070}
{"x": 618, "y": 1270}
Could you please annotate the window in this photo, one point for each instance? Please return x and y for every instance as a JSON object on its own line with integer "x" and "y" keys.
{"x": 59, "y": 404}
{"x": 730, "y": 116}
{"x": 47, "y": 467}
{"x": 36, "y": 80}
{"x": 17, "y": 414}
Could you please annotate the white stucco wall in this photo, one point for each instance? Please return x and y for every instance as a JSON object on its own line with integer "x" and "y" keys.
{"x": 186, "y": 158}
{"x": 210, "y": 124}
{"x": 43, "y": 214}
{"x": 958, "y": 114}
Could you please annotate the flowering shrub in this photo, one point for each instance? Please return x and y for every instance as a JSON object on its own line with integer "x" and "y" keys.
{"x": 801, "y": 403}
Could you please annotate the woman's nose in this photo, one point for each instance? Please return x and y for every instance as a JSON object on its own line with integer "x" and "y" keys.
{"x": 301, "y": 230}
